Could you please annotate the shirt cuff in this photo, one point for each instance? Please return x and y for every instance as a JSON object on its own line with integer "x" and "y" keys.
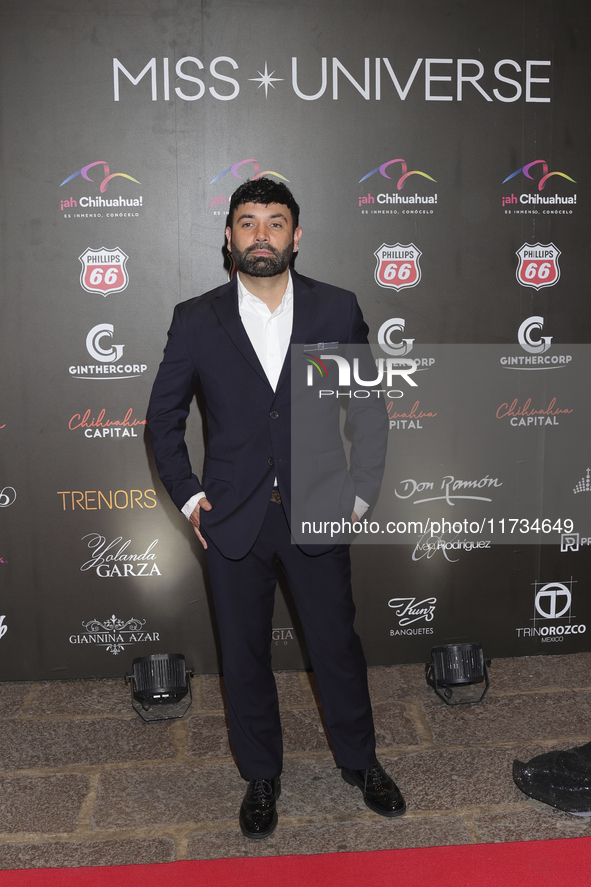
{"x": 189, "y": 507}
{"x": 360, "y": 506}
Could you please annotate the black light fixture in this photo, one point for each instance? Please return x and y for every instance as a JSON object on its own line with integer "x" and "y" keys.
{"x": 161, "y": 679}
{"x": 456, "y": 665}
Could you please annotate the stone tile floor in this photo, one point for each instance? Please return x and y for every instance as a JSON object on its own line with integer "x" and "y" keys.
{"x": 85, "y": 782}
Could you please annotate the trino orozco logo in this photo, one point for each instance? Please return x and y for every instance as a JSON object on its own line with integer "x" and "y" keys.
{"x": 538, "y": 265}
{"x": 7, "y": 496}
{"x": 409, "y": 611}
{"x": 397, "y": 266}
{"x": 101, "y": 349}
{"x": 536, "y": 347}
{"x": 103, "y": 270}
{"x": 552, "y": 618}
{"x": 114, "y": 634}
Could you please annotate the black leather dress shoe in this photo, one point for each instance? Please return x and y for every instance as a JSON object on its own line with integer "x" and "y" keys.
{"x": 258, "y": 813}
{"x": 380, "y": 792}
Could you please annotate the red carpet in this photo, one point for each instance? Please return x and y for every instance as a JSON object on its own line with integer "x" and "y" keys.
{"x": 558, "y": 863}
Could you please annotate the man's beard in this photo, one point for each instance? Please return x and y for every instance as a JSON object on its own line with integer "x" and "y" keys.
{"x": 262, "y": 266}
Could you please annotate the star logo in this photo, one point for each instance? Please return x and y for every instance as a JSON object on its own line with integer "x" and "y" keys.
{"x": 266, "y": 80}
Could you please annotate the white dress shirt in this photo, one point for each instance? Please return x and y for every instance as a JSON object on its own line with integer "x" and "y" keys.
{"x": 269, "y": 334}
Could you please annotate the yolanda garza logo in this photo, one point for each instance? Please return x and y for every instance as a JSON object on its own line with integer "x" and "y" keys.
{"x": 101, "y": 203}
{"x": 523, "y": 415}
{"x": 536, "y": 346}
{"x": 7, "y": 497}
{"x": 220, "y": 202}
{"x": 397, "y": 266}
{"x": 538, "y": 265}
{"x": 552, "y": 603}
{"x": 554, "y": 204}
{"x": 447, "y": 491}
{"x": 114, "y": 634}
{"x": 103, "y": 270}
{"x": 100, "y": 426}
{"x": 410, "y": 202}
{"x": 409, "y": 611}
{"x": 111, "y": 560}
{"x": 108, "y": 356}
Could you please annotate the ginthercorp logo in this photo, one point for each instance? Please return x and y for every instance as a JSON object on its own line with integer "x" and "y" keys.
{"x": 391, "y": 341}
{"x": 410, "y": 611}
{"x": 535, "y": 345}
{"x": 103, "y": 270}
{"x": 111, "y": 560}
{"x": 236, "y": 170}
{"x": 397, "y": 266}
{"x": 538, "y": 173}
{"x": 101, "y": 349}
{"x": 552, "y": 604}
{"x": 387, "y": 335}
{"x": 538, "y": 265}
{"x": 114, "y": 634}
{"x": 110, "y": 207}
{"x": 394, "y": 203}
{"x": 7, "y": 496}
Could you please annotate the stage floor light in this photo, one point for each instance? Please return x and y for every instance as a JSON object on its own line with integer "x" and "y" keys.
{"x": 161, "y": 679}
{"x": 454, "y": 666}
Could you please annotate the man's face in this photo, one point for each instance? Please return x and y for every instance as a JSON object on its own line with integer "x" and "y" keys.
{"x": 262, "y": 240}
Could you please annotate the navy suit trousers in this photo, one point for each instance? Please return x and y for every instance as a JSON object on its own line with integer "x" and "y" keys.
{"x": 244, "y": 593}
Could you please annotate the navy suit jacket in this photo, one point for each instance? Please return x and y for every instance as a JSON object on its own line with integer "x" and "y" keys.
{"x": 249, "y": 424}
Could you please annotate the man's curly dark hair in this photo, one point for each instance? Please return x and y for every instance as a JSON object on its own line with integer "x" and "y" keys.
{"x": 263, "y": 191}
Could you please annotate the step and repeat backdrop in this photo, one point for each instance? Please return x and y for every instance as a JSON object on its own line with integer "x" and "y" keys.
{"x": 439, "y": 150}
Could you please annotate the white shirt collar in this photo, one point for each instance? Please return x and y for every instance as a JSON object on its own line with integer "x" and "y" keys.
{"x": 244, "y": 295}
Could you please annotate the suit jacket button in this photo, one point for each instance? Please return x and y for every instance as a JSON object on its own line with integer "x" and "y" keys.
{"x": 274, "y": 414}
{"x": 270, "y": 460}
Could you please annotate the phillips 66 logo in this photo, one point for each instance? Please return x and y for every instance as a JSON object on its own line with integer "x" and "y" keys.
{"x": 538, "y": 265}
{"x": 397, "y": 265}
{"x": 103, "y": 270}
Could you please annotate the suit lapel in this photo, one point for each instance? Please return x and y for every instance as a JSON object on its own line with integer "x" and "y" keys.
{"x": 225, "y": 306}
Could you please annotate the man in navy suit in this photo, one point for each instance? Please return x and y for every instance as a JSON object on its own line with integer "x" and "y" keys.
{"x": 234, "y": 343}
